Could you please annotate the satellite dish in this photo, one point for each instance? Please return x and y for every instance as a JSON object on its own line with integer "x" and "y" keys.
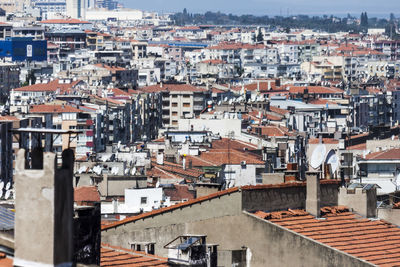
{"x": 8, "y": 186}
{"x": 126, "y": 171}
{"x": 219, "y": 103}
{"x": 7, "y": 195}
{"x": 82, "y": 169}
{"x": 133, "y": 172}
{"x": 333, "y": 160}
{"x": 225, "y": 99}
{"x": 318, "y": 156}
{"x": 1, "y": 185}
{"x": 119, "y": 145}
{"x": 1, "y": 193}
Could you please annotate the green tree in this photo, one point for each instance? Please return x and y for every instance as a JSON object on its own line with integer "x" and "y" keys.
{"x": 260, "y": 37}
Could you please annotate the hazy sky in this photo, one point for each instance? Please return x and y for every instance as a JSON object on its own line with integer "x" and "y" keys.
{"x": 271, "y": 7}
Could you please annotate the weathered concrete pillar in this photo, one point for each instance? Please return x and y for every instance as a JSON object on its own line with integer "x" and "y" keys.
{"x": 44, "y": 212}
{"x": 313, "y": 198}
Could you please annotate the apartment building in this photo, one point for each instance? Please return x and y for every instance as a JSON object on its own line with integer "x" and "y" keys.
{"x": 179, "y": 101}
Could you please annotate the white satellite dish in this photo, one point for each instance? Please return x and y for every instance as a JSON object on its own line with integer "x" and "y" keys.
{"x": 133, "y": 172}
{"x": 333, "y": 160}
{"x": 1, "y": 193}
{"x": 1, "y": 185}
{"x": 7, "y": 195}
{"x": 8, "y": 186}
{"x": 119, "y": 145}
{"x": 226, "y": 99}
{"x": 219, "y": 103}
{"x": 318, "y": 156}
{"x": 126, "y": 171}
{"x": 82, "y": 169}
{"x": 230, "y": 101}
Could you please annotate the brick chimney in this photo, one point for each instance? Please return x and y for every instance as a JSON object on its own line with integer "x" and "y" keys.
{"x": 313, "y": 199}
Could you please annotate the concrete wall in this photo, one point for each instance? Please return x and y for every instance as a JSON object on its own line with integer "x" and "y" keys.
{"x": 294, "y": 197}
{"x": 205, "y": 190}
{"x": 390, "y": 215}
{"x": 116, "y": 185}
{"x": 273, "y": 178}
{"x": 166, "y": 226}
{"x": 269, "y": 244}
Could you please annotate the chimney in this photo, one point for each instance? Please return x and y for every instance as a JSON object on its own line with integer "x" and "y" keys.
{"x": 360, "y": 200}
{"x": 160, "y": 158}
{"x": 313, "y": 198}
{"x": 44, "y": 211}
{"x": 269, "y": 85}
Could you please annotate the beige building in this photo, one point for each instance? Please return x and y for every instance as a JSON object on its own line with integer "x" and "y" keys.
{"x": 11, "y": 6}
{"x": 76, "y": 9}
{"x": 179, "y": 101}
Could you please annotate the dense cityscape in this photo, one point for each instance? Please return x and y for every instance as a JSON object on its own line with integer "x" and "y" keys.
{"x": 144, "y": 138}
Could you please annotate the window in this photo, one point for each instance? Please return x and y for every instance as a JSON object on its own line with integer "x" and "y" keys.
{"x": 174, "y": 113}
{"x": 186, "y": 105}
{"x": 143, "y": 200}
{"x": 174, "y": 104}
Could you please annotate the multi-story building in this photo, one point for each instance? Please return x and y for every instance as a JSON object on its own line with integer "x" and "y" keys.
{"x": 76, "y": 8}
{"x": 9, "y": 79}
{"x": 179, "y": 101}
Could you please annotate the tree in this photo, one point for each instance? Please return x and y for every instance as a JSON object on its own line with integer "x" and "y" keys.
{"x": 260, "y": 37}
{"x": 364, "y": 20}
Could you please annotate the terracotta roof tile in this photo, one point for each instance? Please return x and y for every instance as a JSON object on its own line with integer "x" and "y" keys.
{"x": 53, "y": 109}
{"x": 86, "y": 194}
{"x": 391, "y": 154}
{"x": 64, "y": 21}
{"x": 375, "y": 241}
{"x": 172, "y": 87}
{"x": 179, "y": 193}
{"x": 52, "y": 86}
{"x": 117, "y": 256}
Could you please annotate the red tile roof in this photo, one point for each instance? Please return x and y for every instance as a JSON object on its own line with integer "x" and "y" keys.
{"x": 117, "y": 256}
{"x": 314, "y": 89}
{"x": 172, "y": 87}
{"x": 9, "y": 118}
{"x": 375, "y": 241}
{"x": 324, "y": 141}
{"x": 5, "y": 261}
{"x": 179, "y": 193}
{"x": 178, "y": 169}
{"x": 362, "y": 146}
{"x": 53, "y": 109}
{"x": 64, "y": 21}
{"x": 110, "y": 68}
{"x": 279, "y": 110}
{"x": 51, "y": 86}
{"x": 86, "y": 194}
{"x": 391, "y": 154}
{"x": 262, "y": 86}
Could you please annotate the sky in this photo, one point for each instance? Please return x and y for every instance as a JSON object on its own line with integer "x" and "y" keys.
{"x": 377, "y": 8}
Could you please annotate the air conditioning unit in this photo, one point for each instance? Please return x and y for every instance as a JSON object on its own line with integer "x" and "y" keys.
{"x": 243, "y": 163}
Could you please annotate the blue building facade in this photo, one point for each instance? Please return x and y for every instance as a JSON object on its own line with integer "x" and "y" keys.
{"x": 23, "y": 49}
